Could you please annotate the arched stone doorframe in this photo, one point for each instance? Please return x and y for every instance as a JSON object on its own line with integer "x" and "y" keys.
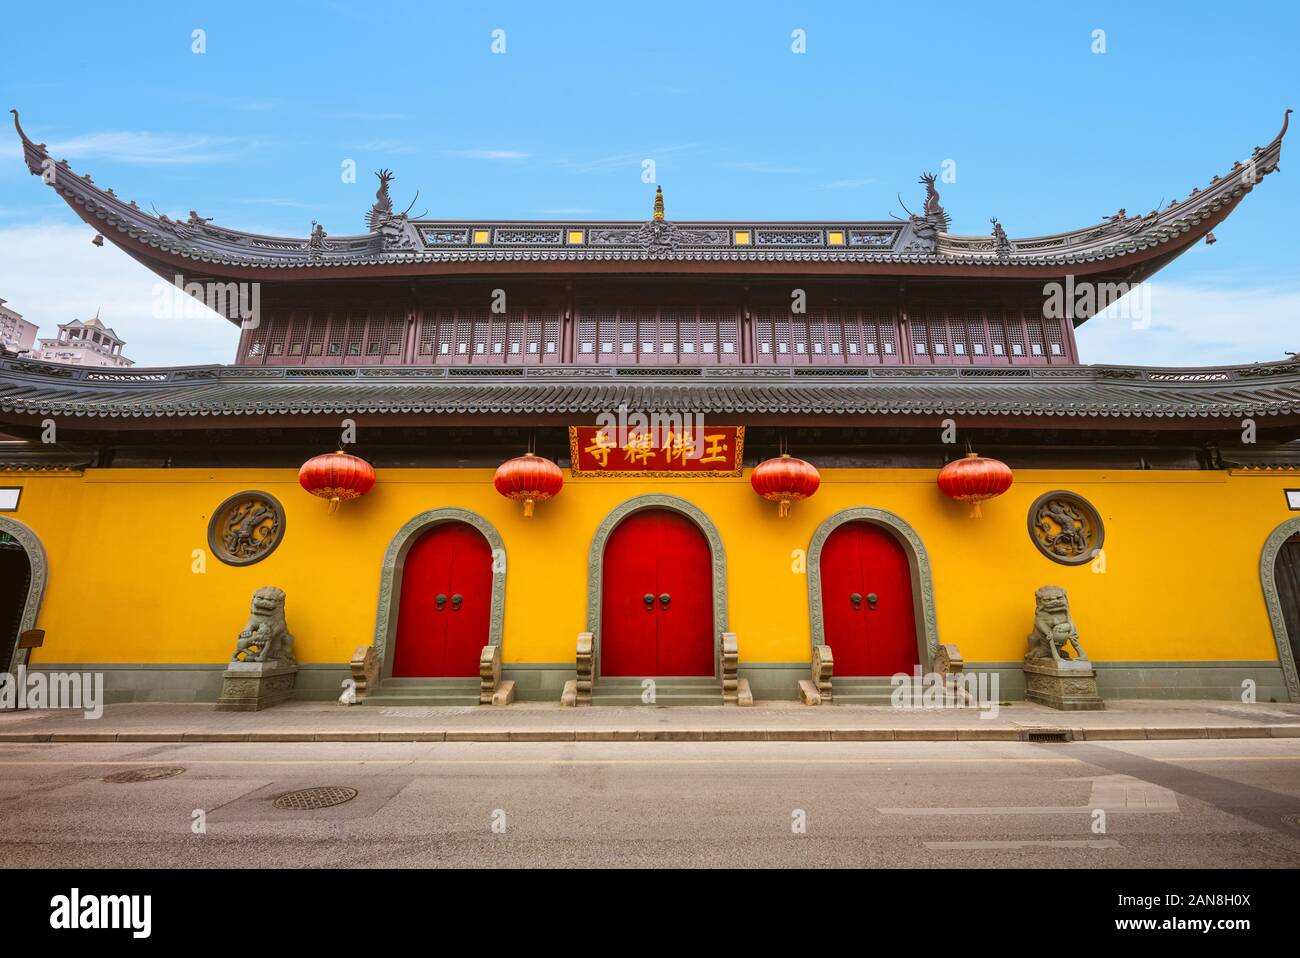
{"x": 1268, "y": 580}
{"x": 40, "y": 571}
{"x": 390, "y": 578}
{"x": 596, "y": 564}
{"x": 927, "y": 639}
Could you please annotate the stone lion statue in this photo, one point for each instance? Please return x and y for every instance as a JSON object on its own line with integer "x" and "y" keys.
{"x": 266, "y": 636}
{"x": 1053, "y": 628}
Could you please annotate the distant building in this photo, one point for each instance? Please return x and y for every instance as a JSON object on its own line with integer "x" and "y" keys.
{"x": 16, "y": 334}
{"x": 84, "y": 344}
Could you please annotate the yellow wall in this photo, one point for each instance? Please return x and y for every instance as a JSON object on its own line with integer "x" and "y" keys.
{"x": 1181, "y": 581}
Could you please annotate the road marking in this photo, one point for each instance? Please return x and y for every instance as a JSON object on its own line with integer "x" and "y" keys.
{"x": 992, "y": 760}
{"x": 568, "y": 761}
{"x": 1039, "y": 843}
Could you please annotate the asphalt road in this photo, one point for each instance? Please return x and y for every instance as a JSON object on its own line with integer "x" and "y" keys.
{"x": 927, "y": 804}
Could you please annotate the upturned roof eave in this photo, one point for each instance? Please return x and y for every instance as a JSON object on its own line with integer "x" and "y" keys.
{"x": 1118, "y": 245}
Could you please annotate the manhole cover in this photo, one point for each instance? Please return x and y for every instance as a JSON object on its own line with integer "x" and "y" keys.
{"x": 150, "y": 773}
{"x": 322, "y": 796}
{"x": 1292, "y": 820}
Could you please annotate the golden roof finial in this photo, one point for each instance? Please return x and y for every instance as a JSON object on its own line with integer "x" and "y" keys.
{"x": 659, "y": 204}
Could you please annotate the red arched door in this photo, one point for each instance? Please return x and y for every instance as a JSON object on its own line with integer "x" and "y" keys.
{"x": 657, "y": 598}
{"x": 867, "y": 608}
{"x": 446, "y": 604}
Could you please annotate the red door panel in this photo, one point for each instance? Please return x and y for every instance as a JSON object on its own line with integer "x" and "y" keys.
{"x": 845, "y": 625}
{"x": 686, "y": 577}
{"x": 468, "y": 620}
{"x": 451, "y": 559}
{"x": 657, "y": 553}
{"x": 629, "y": 644}
{"x": 891, "y": 625}
{"x": 867, "y": 638}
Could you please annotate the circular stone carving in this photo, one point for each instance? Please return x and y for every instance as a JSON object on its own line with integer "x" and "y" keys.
{"x": 1065, "y": 527}
{"x": 246, "y": 528}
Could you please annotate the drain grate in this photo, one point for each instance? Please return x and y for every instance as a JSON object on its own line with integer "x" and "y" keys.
{"x": 320, "y": 796}
{"x": 150, "y": 773}
{"x": 1045, "y": 735}
{"x": 1292, "y": 820}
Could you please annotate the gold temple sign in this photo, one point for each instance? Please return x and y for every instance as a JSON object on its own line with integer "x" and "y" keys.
{"x": 657, "y": 452}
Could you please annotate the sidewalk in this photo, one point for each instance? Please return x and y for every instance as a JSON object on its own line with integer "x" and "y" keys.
{"x": 1130, "y": 719}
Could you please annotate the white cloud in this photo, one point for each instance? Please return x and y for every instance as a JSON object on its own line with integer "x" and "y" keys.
{"x": 761, "y": 166}
{"x": 1196, "y": 326}
{"x": 849, "y": 184}
{"x": 147, "y": 149}
{"x": 52, "y": 274}
{"x": 618, "y": 161}
{"x": 488, "y": 154}
{"x": 385, "y": 146}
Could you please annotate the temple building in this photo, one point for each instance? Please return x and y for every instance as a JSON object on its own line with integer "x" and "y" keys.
{"x": 17, "y": 335}
{"x": 702, "y": 453}
{"x": 84, "y": 344}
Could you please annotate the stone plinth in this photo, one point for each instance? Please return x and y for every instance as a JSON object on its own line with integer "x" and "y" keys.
{"x": 1069, "y": 685}
{"x": 253, "y": 686}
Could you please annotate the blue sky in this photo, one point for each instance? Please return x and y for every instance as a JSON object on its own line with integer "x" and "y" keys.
{"x": 1046, "y": 134}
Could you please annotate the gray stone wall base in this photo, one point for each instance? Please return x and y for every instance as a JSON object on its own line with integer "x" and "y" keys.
{"x": 1159, "y": 680}
{"x": 252, "y": 687}
{"x": 539, "y": 682}
{"x": 770, "y": 681}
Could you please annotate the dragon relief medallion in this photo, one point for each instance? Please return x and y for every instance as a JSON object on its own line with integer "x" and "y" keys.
{"x": 246, "y": 528}
{"x": 1065, "y": 527}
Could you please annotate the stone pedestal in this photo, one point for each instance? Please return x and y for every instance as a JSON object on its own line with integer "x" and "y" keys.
{"x": 1069, "y": 685}
{"x": 253, "y": 686}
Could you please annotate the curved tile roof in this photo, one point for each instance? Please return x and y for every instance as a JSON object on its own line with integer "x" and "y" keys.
{"x": 1197, "y": 396}
{"x": 397, "y": 243}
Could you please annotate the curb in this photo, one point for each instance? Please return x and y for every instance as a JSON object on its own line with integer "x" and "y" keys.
{"x": 1114, "y": 734}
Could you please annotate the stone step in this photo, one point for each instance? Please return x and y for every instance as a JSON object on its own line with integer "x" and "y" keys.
{"x": 862, "y": 690}
{"x": 432, "y": 682}
{"x": 661, "y": 682}
{"x": 428, "y": 699}
{"x": 852, "y": 698}
{"x": 425, "y": 691}
{"x": 661, "y": 699}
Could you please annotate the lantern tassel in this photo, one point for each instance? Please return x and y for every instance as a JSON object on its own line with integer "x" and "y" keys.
{"x": 784, "y": 509}
{"x": 334, "y": 507}
{"x": 528, "y": 508}
{"x": 975, "y": 511}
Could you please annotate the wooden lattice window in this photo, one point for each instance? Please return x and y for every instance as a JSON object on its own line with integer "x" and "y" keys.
{"x": 551, "y": 334}
{"x": 764, "y": 340}
{"x": 356, "y": 332}
{"x": 277, "y": 334}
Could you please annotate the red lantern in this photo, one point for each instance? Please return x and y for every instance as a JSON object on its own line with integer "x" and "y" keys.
{"x": 785, "y": 480}
{"x": 337, "y": 476}
{"x": 974, "y": 479}
{"x": 528, "y": 479}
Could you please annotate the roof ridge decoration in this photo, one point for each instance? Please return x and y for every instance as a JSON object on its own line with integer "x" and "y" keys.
{"x": 399, "y": 244}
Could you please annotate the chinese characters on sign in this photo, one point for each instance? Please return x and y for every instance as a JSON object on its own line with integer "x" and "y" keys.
{"x": 656, "y": 451}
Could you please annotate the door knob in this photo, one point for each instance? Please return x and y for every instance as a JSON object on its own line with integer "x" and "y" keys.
{"x": 440, "y": 600}
{"x": 456, "y": 601}
{"x": 664, "y": 600}
{"x": 872, "y": 599}
{"x": 856, "y": 599}
{"x": 649, "y": 601}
